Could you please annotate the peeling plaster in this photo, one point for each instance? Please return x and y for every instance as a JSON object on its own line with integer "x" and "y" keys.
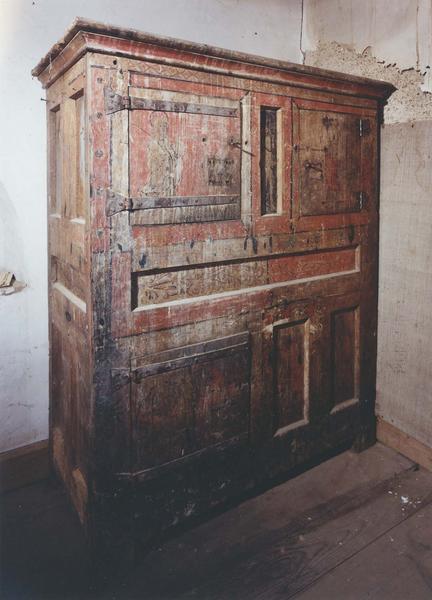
{"x": 398, "y": 31}
{"x": 408, "y": 103}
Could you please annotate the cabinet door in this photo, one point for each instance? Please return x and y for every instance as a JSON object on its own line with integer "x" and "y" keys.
{"x": 311, "y": 374}
{"x": 189, "y": 399}
{"x": 185, "y": 164}
{"x": 332, "y": 163}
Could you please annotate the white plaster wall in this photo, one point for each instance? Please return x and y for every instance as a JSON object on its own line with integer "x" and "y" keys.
{"x": 27, "y": 29}
{"x": 404, "y": 385}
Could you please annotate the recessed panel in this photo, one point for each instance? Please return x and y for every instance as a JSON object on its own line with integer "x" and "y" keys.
{"x": 167, "y": 285}
{"x": 269, "y": 159}
{"x": 291, "y": 374}
{"x": 345, "y": 355}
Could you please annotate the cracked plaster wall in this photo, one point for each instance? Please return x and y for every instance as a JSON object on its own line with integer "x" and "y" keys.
{"x": 408, "y": 103}
{"x": 398, "y": 32}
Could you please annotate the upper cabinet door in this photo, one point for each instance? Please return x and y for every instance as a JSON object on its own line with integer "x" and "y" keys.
{"x": 333, "y": 165}
{"x": 185, "y": 154}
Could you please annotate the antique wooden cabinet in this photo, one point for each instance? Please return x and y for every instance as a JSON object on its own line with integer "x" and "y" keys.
{"x": 213, "y": 225}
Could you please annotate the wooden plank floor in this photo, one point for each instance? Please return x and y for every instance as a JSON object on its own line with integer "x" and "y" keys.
{"x": 357, "y": 526}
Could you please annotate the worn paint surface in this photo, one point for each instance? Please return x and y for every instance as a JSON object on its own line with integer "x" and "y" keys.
{"x": 26, "y": 30}
{"x": 69, "y": 291}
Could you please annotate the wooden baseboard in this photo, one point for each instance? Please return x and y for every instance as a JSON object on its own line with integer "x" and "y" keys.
{"x": 24, "y": 465}
{"x": 391, "y": 436}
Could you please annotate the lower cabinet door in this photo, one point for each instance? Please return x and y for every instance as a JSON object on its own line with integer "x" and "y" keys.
{"x": 311, "y": 370}
{"x": 189, "y": 399}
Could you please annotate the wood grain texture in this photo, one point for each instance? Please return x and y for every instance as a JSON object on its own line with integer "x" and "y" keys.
{"x": 345, "y": 355}
{"x": 298, "y": 555}
{"x": 328, "y": 144}
{"x": 269, "y": 160}
{"x": 393, "y": 565}
{"x": 291, "y": 364}
{"x": 190, "y": 147}
{"x": 69, "y": 293}
{"x": 396, "y": 565}
{"x": 191, "y": 402}
{"x": 168, "y": 285}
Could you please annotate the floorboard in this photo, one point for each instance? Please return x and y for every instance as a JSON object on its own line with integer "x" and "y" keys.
{"x": 396, "y": 566}
{"x": 325, "y": 534}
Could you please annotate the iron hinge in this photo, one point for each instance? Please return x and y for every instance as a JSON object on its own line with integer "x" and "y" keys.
{"x": 364, "y": 127}
{"x": 116, "y": 203}
{"x": 120, "y": 377}
{"x": 362, "y": 200}
{"x": 115, "y": 102}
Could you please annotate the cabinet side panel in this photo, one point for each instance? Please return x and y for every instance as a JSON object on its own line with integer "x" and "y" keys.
{"x": 69, "y": 276}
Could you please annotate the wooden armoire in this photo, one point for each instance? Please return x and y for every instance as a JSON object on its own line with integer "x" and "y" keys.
{"x": 213, "y": 228}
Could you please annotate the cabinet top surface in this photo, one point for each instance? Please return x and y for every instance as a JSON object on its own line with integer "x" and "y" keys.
{"x": 105, "y": 39}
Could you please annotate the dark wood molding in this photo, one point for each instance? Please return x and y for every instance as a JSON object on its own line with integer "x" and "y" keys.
{"x": 391, "y": 436}
{"x": 24, "y": 465}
